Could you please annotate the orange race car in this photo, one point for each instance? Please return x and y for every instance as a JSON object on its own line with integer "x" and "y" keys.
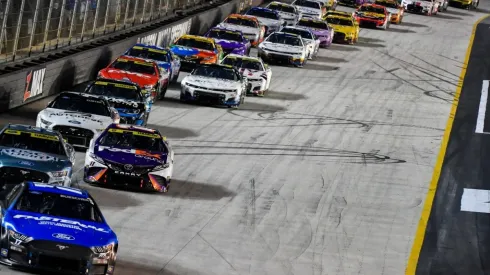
{"x": 144, "y": 73}
{"x": 372, "y": 15}
{"x": 396, "y": 10}
{"x": 193, "y": 50}
{"x": 248, "y": 25}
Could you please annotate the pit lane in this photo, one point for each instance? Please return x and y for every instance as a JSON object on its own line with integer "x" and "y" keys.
{"x": 326, "y": 174}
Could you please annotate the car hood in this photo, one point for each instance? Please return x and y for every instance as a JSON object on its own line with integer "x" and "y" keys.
{"x": 370, "y": 14}
{"x": 66, "y": 231}
{"x": 308, "y": 10}
{"x": 244, "y": 29}
{"x": 229, "y": 44}
{"x": 188, "y": 51}
{"x": 320, "y": 32}
{"x": 287, "y": 15}
{"x": 122, "y": 104}
{"x": 28, "y": 159}
{"x": 210, "y": 82}
{"x": 130, "y": 156}
{"x": 76, "y": 119}
{"x": 282, "y": 47}
{"x": 248, "y": 73}
{"x": 140, "y": 79}
{"x": 269, "y": 22}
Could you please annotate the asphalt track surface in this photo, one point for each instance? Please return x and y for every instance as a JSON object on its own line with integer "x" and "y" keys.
{"x": 326, "y": 174}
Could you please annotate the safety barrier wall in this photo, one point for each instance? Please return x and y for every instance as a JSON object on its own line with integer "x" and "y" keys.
{"x": 33, "y": 83}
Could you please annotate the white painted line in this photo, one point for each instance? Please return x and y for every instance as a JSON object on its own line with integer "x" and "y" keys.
{"x": 475, "y": 200}
{"x": 483, "y": 107}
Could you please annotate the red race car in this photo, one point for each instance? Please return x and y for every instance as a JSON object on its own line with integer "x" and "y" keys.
{"x": 145, "y": 73}
{"x": 372, "y": 15}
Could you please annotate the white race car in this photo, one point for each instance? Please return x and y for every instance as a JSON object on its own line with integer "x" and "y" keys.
{"x": 289, "y": 13}
{"x": 309, "y": 8}
{"x": 258, "y": 73}
{"x": 77, "y": 117}
{"x": 128, "y": 155}
{"x": 311, "y": 41}
{"x": 248, "y": 25}
{"x": 283, "y": 47}
{"x": 214, "y": 84}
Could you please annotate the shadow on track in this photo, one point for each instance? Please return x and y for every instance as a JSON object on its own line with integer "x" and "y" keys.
{"x": 343, "y": 48}
{"x": 415, "y": 25}
{"x": 173, "y": 132}
{"x": 319, "y": 67}
{"x": 258, "y": 107}
{"x": 453, "y": 11}
{"x": 197, "y": 191}
{"x": 127, "y": 267}
{"x": 391, "y": 29}
{"x": 448, "y": 17}
{"x": 111, "y": 197}
{"x": 284, "y": 96}
{"x": 329, "y": 59}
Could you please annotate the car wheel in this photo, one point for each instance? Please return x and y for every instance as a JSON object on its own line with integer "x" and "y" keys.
{"x": 176, "y": 77}
{"x": 163, "y": 91}
{"x": 182, "y": 98}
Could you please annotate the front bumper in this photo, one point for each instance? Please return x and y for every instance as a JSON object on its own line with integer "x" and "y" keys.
{"x": 371, "y": 22}
{"x": 340, "y": 37}
{"x": 76, "y": 136}
{"x": 325, "y": 41}
{"x": 279, "y": 57}
{"x": 395, "y": 18}
{"x": 48, "y": 256}
{"x": 257, "y": 86}
{"x": 211, "y": 97}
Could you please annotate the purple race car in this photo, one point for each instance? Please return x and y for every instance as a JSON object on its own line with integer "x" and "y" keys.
{"x": 231, "y": 41}
{"x": 320, "y": 28}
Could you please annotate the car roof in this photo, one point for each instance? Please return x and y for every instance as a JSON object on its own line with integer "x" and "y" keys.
{"x": 31, "y": 129}
{"x": 242, "y": 57}
{"x": 263, "y": 9}
{"x": 338, "y": 17}
{"x": 373, "y": 5}
{"x": 61, "y": 190}
{"x": 226, "y": 29}
{"x": 296, "y": 28}
{"x": 289, "y": 34}
{"x": 243, "y": 16}
{"x": 197, "y": 37}
{"x": 149, "y": 46}
{"x": 116, "y": 81}
{"x": 81, "y": 95}
{"x": 311, "y": 19}
{"x": 281, "y": 4}
{"x": 137, "y": 59}
{"x": 216, "y": 65}
{"x": 133, "y": 127}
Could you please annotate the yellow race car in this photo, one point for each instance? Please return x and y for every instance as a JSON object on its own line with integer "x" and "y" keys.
{"x": 394, "y": 8}
{"x": 331, "y": 5}
{"x": 346, "y": 30}
{"x": 337, "y": 13}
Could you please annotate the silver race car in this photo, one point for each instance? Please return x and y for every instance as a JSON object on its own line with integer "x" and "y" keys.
{"x": 289, "y": 13}
{"x": 285, "y": 48}
{"x": 78, "y": 117}
{"x": 258, "y": 73}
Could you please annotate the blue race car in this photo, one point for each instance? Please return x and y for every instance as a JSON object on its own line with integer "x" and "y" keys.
{"x": 55, "y": 229}
{"x": 164, "y": 58}
{"x": 29, "y": 153}
{"x": 133, "y": 106}
{"x": 132, "y": 156}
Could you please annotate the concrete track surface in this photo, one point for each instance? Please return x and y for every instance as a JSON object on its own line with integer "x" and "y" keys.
{"x": 326, "y": 174}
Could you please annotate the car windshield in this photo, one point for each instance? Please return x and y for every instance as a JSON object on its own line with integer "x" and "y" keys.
{"x": 134, "y": 66}
{"x": 387, "y": 4}
{"x": 241, "y": 21}
{"x": 307, "y": 4}
{"x": 372, "y": 9}
{"x": 35, "y": 141}
{"x": 339, "y": 21}
{"x": 59, "y": 205}
{"x": 348, "y": 15}
{"x": 109, "y": 89}
{"x": 131, "y": 139}
{"x": 313, "y": 24}
{"x": 225, "y": 35}
{"x": 282, "y": 38}
{"x": 304, "y": 34}
{"x": 216, "y": 72}
{"x": 283, "y": 8}
{"x": 148, "y": 53}
{"x": 82, "y": 104}
{"x": 243, "y": 63}
{"x": 263, "y": 13}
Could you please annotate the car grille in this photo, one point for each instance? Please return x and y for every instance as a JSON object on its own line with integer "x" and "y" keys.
{"x": 75, "y": 135}
{"x": 120, "y": 167}
{"x": 75, "y": 251}
{"x": 13, "y": 175}
{"x": 57, "y": 263}
{"x": 210, "y": 89}
{"x": 211, "y": 97}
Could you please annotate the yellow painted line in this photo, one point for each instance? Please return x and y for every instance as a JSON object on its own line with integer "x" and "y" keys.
{"x": 420, "y": 233}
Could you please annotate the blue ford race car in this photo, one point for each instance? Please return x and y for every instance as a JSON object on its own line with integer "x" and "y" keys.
{"x": 55, "y": 229}
{"x": 34, "y": 154}
{"x": 164, "y": 58}
{"x": 131, "y": 156}
{"x": 133, "y": 106}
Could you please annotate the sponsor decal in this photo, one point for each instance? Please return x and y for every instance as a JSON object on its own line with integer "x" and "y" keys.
{"x": 4, "y": 252}
{"x": 74, "y": 122}
{"x": 62, "y": 236}
{"x": 136, "y": 133}
{"x": 68, "y": 189}
{"x": 34, "y": 135}
{"x": 128, "y": 167}
{"x": 167, "y": 36}
{"x": 127, "y": 173}
{"x": 34, "y": 83}
{"x": 28, "y": 155}
{"x": 133, "y": 104}
{"x": 44, "y": 220}
{"x": 130, "y": 151}
{"x": 149, "y": 158}
{"x": 79, "y": 116}
{"x": 27, "y": 163}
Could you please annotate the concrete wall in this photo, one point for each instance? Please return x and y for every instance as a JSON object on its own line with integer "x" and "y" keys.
{"x": 61, "y": 74}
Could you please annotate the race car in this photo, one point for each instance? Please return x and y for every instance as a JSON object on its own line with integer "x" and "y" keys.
{"x": 353, "y": 3}
{"x": 231, "y": 41}
{"x": 288, "y": 13}
{"x": 428, "y": 7}
{"x": 338, "y": 13}
{"x": 329, "y": 4}
{"x": 29, "y": 153}
{"x": 443, "y": 4}
{"x": 248, "y": 25}
{"x": 55, "y": 229}
{"x": 465, "y": 4}
{"x": 214, "y": 84}
{"x": 268, "y": 18}
{"x": 257, "y": 73}
{"x": 133, "y": 106}
{"x": 194, "y": 50}
{"x": 396, "y": 10}
{"x": 346, "y": 30}
{"x": 284, "y": 48}
{"x": 77, "y": 117}
{"x": 143, "y": 72}
{"x": 320, "y": 28}
{"x": 164, "y": 58}
{"x": 311, "y": 42}
{"x": 132, "y": 156}
{"x": 310, "y": 8}
{"x": 372, "y": 15}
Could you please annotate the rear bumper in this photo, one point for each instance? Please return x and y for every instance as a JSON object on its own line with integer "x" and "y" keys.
{"x": 374, "y": 23}
{"x": 416, "y": 9}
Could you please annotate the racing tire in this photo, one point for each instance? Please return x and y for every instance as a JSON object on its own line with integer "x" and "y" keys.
{"x": 163, "y": 91}
{"x": 174, "y": 80}
{"x": 182, "y": 98}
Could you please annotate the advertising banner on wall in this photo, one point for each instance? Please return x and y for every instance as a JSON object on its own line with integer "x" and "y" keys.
{"x": 165, "y": 37}
{"x": 34, "y": 83}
